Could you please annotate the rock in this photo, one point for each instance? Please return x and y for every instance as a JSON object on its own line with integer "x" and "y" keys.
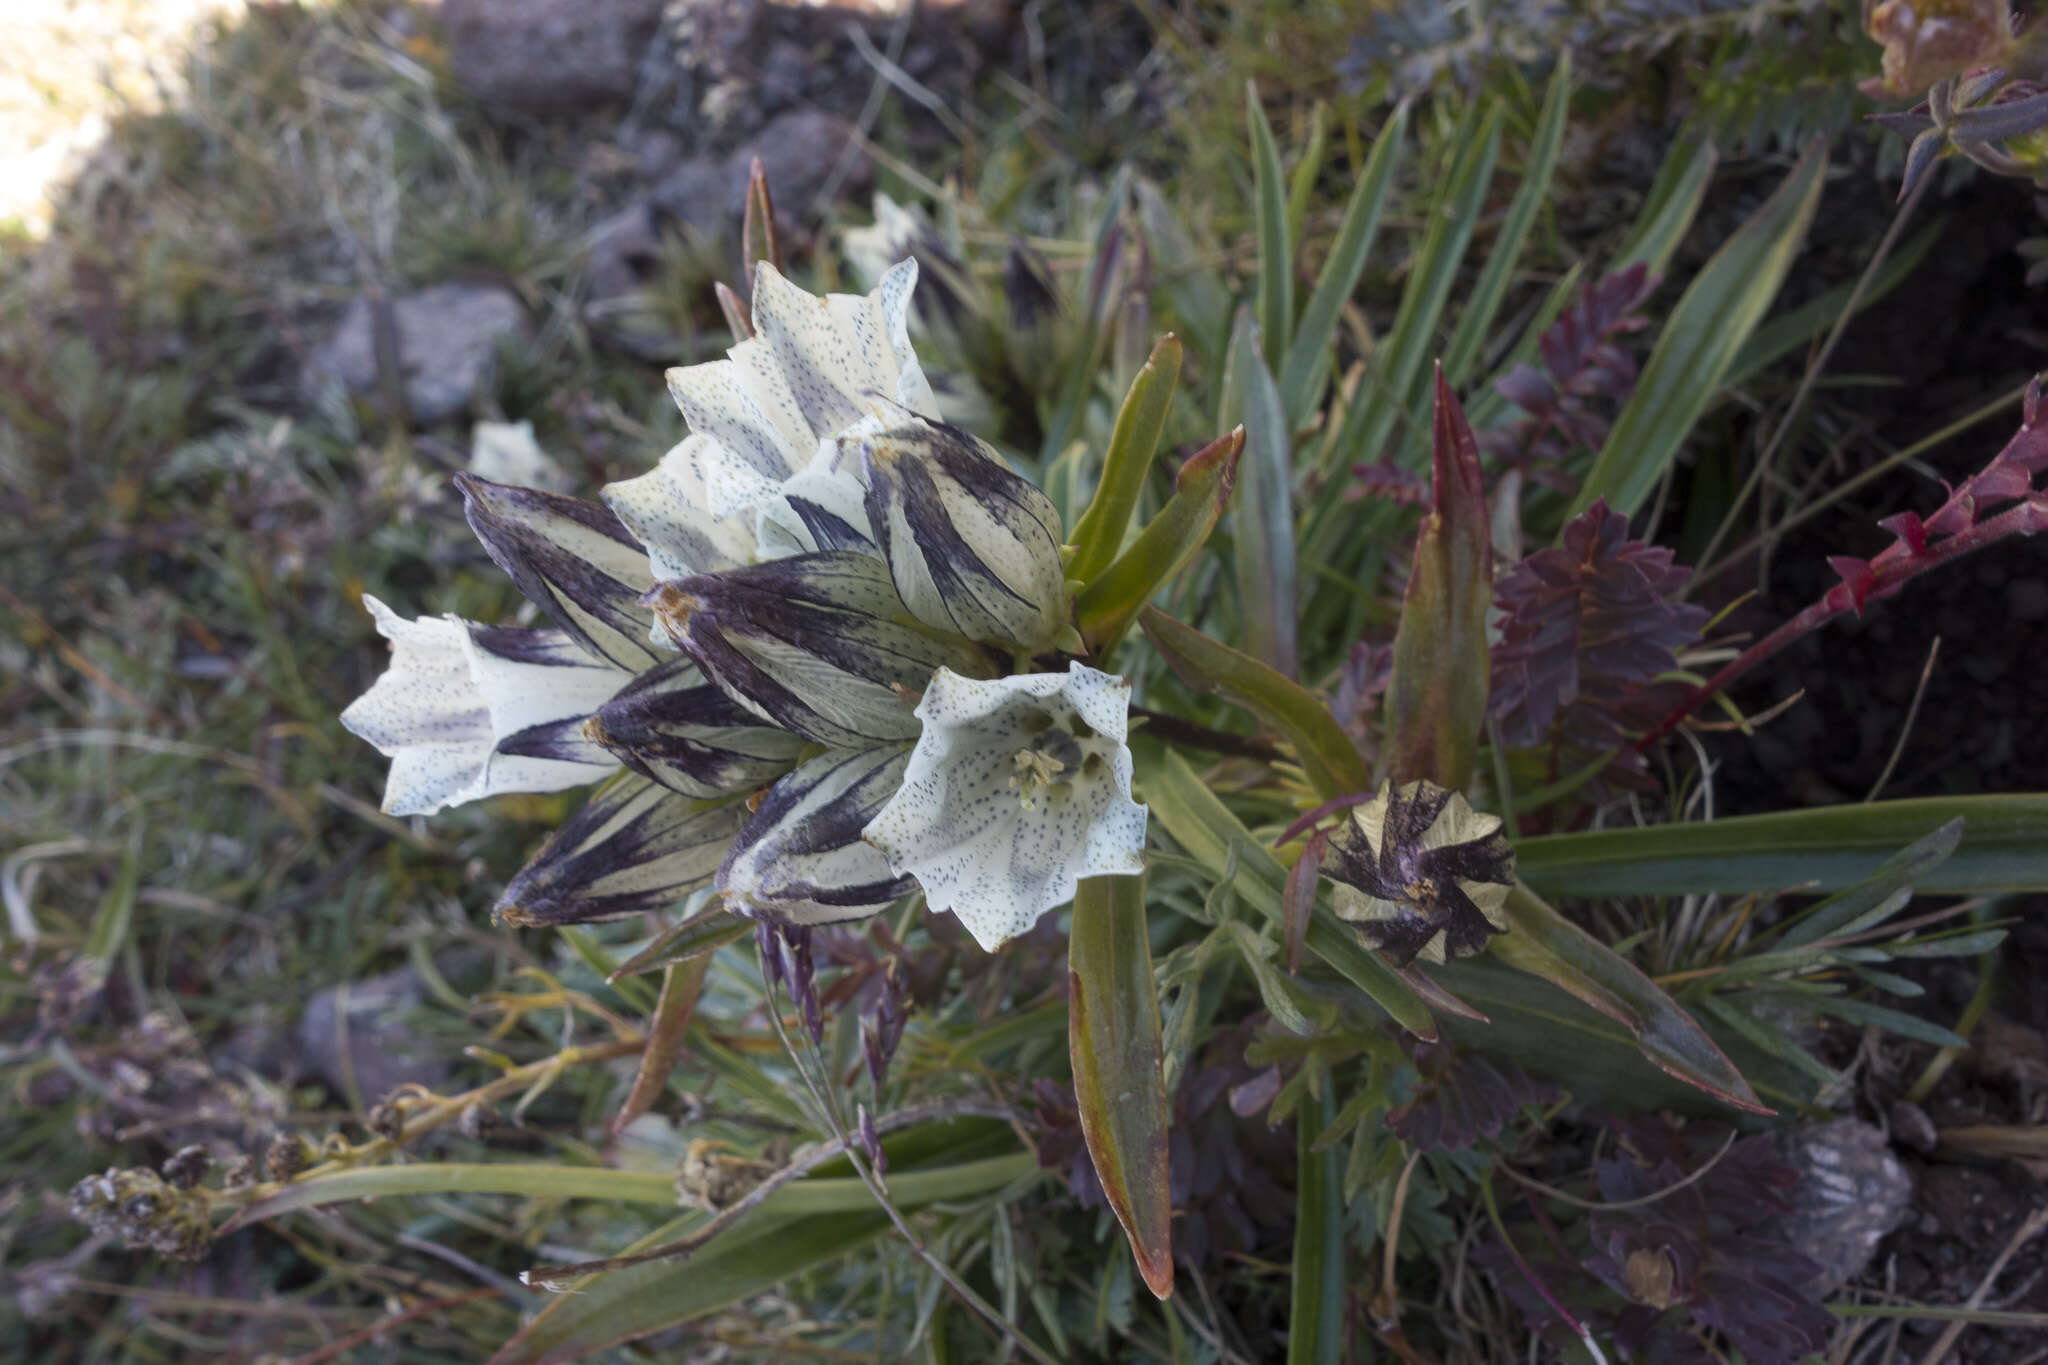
{"x": 704, "y": 195}
{"x": 549, "y": 56}
{"x": 1852, "y": 1191}
{"x": 1912, "y": 1127}
{"x": 383, "y": 1051}
{"x": 446, "y": 338}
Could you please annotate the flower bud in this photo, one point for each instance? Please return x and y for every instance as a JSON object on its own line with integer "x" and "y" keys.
{"x": 816, "y": 644}
{"x": 685, "y": 733}
{"x": 800, "y": 860}
{"x": 972, "y": 548}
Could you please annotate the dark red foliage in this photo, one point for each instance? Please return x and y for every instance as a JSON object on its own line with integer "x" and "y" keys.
{"x": 1463, "y": 1097}
{"x": 1581, "y": 361}
{"x": 1385, "y": 479}
{"x": 1588, "y": 627}
{"x": 1675, "y": 1259}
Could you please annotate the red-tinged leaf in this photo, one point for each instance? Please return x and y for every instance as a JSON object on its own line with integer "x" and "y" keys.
{"x": 1462, "y": 1097}
{"x": 1298, "y": 898}
{"x": 739, "y": 319}
{"x": 1546, "y": 944}
{"x": 1436, "y": 700}
{"x": 1855, "y": 574}
{"x": 1113, "y": 1033}
{"x": 1910, "y": 530}
{"x": 1438, "y": 999}
{"x": 757, "y": 230}
{"x": 681, "y": 986}
{"x": 1389, "y": 481}
{"x": 1111, "y": 601}
{"x": 1588, "y": 626}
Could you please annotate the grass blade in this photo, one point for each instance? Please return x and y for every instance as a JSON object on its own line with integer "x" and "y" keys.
{"x": 2004, "y": 849}
{"x": 1475, "y": 325}
{"x": 1276, "y": 253}
{"x": 1307, "y": 366}
{"x": 1701, "y": 340}
{"x": 1315, "y": 1333}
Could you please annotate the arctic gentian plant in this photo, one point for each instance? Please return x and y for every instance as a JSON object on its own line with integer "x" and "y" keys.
{"x": 758, "y": 618}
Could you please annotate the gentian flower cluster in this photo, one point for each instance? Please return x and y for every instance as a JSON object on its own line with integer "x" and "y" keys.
{"x": 819, "y": 657}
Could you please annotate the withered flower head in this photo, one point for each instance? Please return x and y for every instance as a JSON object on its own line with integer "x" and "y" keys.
{"x": 1421, "y": 873}
{"x": 1927, "y": 41}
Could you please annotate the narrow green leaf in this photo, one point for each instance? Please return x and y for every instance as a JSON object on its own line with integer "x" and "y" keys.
{"x": 1327, "y": 754}
{"x": 1596, "y": 1059}
{"x": 697, "y": 936}
{"x": 1394, "y": 382}
{"x": 1309, "y": 165}
{"x": 116, "y": 911}
{"x": 1899, "y": 873}
{"x": 1701, "y": 340}
{"x": 1091, "y": 339}
{"x": 1099, "y": 534}
{"x": 1436, "y": 697}
{"x": 1276, "y": 253}
{"x": 1315, "y": 1323}
{"x": 1308, "y": 353}
{"x": 1119, "y": 1082}
{"x": 1669, "y": 208}
{"x": 1544, "y": 943}
{"x": 1482, "y": 305}
{"x": 1188, "y": 277}
{"x": 1784, "y": 334}
{"x": 1107, "y": 606}
{"x": 2004, "y": 848}
{"x": 1262, "y": 518}
{"x": 752, "y": 1258}
{"x": 1204, "y": 826}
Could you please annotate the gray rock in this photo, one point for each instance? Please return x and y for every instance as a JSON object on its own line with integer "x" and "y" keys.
{"x": 1852, "y": 1191}
{"x": 806, "y": 153}
{"x": 383, "y": 1053}
{"x": 549, "y": 56}
{"x": 446, "y": 337}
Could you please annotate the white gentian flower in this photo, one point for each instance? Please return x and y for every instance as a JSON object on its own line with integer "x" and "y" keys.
{"x": 1017, "y": 789}
{"x": 467, "y": 711}
{"x": 761, "y": 417}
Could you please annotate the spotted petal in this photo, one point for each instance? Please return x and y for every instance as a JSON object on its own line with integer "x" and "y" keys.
{"x": 801, "y": 859}
{"x": 467, "y": 711}
{"x": 1017, "y": 789}
{"x": 571, "y": 558}
{"x": 668, "y": 510}
{"x": 634, "y": 846}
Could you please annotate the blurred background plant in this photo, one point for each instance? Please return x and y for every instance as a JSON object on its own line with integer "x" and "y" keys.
{"x": 269, "y": 1033}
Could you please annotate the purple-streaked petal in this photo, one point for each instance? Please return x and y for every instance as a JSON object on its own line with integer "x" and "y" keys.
{"x": 688, "y": 735}
{"x": 801, "y": 859}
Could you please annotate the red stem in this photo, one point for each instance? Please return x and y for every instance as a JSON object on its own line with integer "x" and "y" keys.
{"x": 1887, "y": 578}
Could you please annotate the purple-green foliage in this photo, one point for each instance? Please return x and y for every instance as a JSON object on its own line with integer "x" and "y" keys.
{"x": 1588, "y": 626}
{"x": 1730, "y": 1271}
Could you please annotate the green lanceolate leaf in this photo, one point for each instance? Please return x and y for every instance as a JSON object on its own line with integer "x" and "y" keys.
{"x": 1276, "y": 253}
{"x": 1315, "y": 1333}
{"x": 1108, "y": 605}
{"x": 1307, "y": 366}
{"x": 1668, "y": 210}
{"x": 1482, "y": 305}
{"x": 785, "y": 1238}
{"x": 1544, "y": 943}
{"x": 2004, "y": 848}
{"x": 1845, "y": 912}
{"x": 697, "y": 936}
{"x": 1787, "y": 333}
{"x": 1393, "y": 382}
{"x": 1100, "y": 533}
{"x": 1208, "y": 665}
{"x": 1436, "y": 698}
{"x": 1262, "y": 519}
{"x": 1700, "y": 343}
{"x": 1204, "y": 826}
{"x": 1119, "y": 1084}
